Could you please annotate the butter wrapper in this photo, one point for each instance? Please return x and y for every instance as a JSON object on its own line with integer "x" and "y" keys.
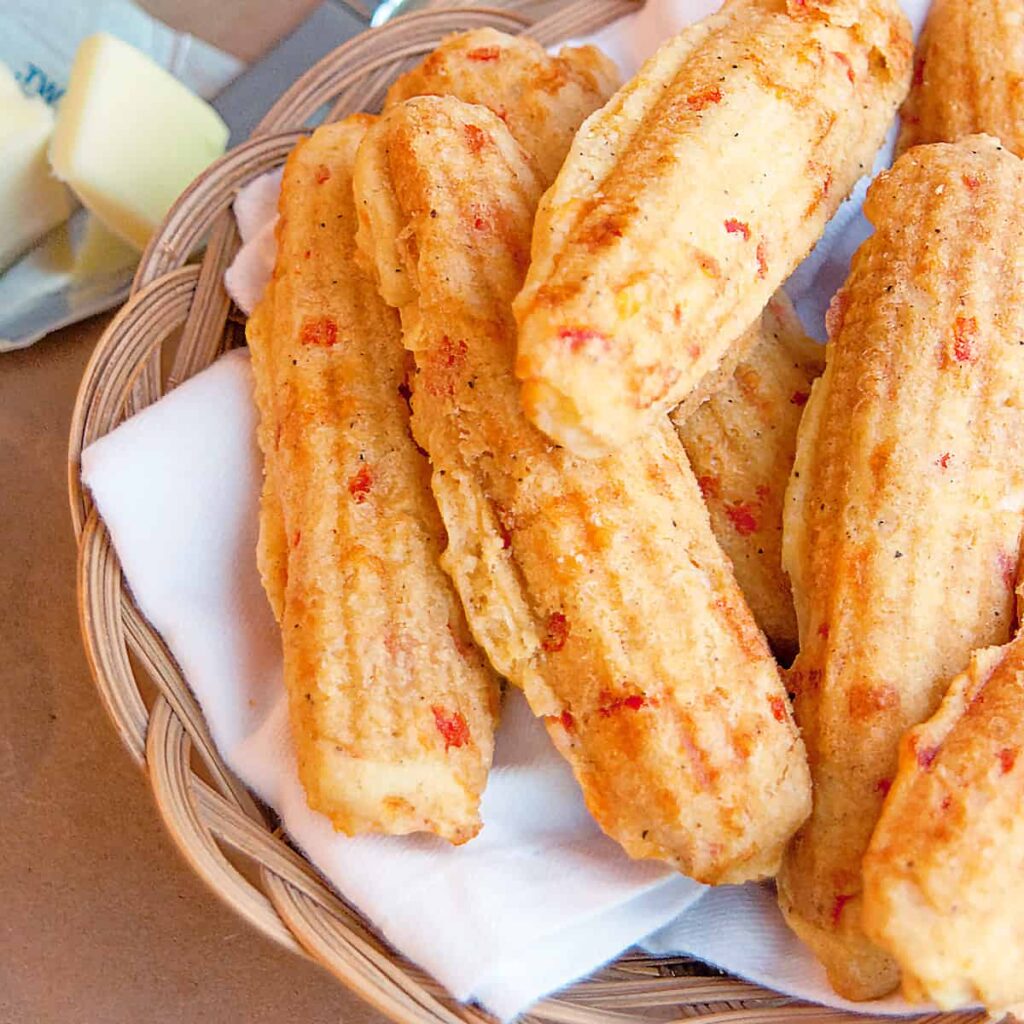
{"x": 76, "y": 270}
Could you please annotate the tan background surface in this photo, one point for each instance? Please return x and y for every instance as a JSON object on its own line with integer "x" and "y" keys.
{"x": 101, "y": 921}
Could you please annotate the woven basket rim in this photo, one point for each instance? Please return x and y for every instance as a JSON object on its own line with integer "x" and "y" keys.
{"x": 207, "y": 810}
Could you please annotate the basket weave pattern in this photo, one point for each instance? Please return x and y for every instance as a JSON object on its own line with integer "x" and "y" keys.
{"x": 176, "y": 322}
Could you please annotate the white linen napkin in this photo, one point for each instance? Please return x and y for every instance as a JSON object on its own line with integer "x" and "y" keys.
{"x": 540, "y": 897}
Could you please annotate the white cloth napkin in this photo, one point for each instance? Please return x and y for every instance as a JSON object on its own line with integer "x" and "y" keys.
{"x": 540, "y": 897}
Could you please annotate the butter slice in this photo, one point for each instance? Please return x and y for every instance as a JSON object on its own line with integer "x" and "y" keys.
{"x": 130, "y": 137}
{"x": 32, "y": 201}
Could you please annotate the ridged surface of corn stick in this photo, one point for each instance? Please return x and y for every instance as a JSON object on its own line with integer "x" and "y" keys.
{"x": 968, "y": 75}
{"x": 903, "y": 515}
{"x": 689, "y": 198}
{"x": 542, "y": 98}
{"x": 596, "y": 586}
{"x": 741, "y": 444}
{"x": 392, "y": 706}
{"x": 944, "y": 875}
{"x": 272, "y": 542}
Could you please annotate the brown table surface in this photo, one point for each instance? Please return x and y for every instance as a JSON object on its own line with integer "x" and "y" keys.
{"x": 102, "y": 921}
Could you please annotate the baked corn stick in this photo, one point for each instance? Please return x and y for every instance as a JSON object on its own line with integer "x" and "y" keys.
{"x": 543, "y": 99}
{"x": 392, "y": 707}
{"x": 595, "y": 586}
{"x": 944, "y": 874}
{"x": 968, "y": 75}
{"x": 904, "y": 512}
{"x": 689, "y": 198}
{"x": 741, "y": 444}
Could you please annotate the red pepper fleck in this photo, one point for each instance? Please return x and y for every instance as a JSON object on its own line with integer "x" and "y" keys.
{"x": 322, "y": 174}
{"x": 567, "y": 720}
{"x": 557, "y": 632}
{"x": 965, "y": 339}
{"x": 451, "y": 725}
{"x": 320, "y": 330}
{"x": 677, "y": 314}
{"x": 762, "y": 260}
{"x": 778, "y": 707}
{"x": 823, "y": 629}
{"x": 737, "y": 227}
{"x": 947, "y": 802}
{"x": 705, "y": 98}
{"x": 442, "y": 362}
{"x": 826, "y": 185}
{"x": 360, "y": 484}
{"x": 883, "y": 786}
{"x": 926, "y": 756}
{"x": 943, "y": 460}
{"x": 481, "y": 224}
{"x": 799, "y": 398}
{"x": 742, "y": 518}
{"x": 708, "y": 486}
{"x": 577, "y": 337}
{"x": 476, "y": 137}
{"x": 837, "y": 908}
{"x": 635, "y": 701}
{"x": 307, "y": 254}
{"x": 1007, "y": 759}
{"x": 484, "y": 53}
{"x": 296, "y": 537}
{"x": 919, "y": 71}
{"x": 845, "y": 61}
{"x": 971, "y": 181}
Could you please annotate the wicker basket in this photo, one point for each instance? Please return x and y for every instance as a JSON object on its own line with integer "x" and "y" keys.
{"x": 176, "y": 322}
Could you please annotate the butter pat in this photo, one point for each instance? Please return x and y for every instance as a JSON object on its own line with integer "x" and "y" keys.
{"x": 32, "y": 201}
{"x": 130, "y": 137}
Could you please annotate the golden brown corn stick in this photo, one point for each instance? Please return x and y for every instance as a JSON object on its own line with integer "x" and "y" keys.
{"x": 741, "y": 444}
{"x": 392, "y": 707}
{"x": 688, "y": 199}
{"x": 904, "y": 512}
{"x": 543, "y": 99}
{"x": 968, "y": 75}
{"x": 596, "y": 586}
{"x": 944, "y": 875}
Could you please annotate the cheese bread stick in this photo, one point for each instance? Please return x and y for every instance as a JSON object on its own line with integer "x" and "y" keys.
{"x": 968, "y": 75}
{"x": 542, "y": 98}
{"x": 690, "y": 197}
{"x": 595, "y": 586}
{"x": 944, "y": 874}
{"x": 904, "y": 511}
{"x": 392, "y": 707}
{"x": 741, "y": 444}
